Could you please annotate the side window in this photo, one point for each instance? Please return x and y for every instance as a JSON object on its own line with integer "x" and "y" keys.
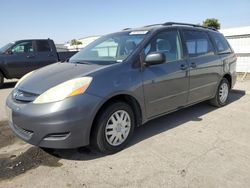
{"x": 197, "y": 43}
{"x": 221, "y": 43}
{"x": 43, "y": 46}
{"x": 23, "y": 47}
{"x": 166, "y": 42}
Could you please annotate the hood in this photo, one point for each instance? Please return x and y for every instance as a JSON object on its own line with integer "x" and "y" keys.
{"x": 52, "y": 75}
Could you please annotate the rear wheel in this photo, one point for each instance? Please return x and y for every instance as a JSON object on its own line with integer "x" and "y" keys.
{"x": 114, "y": 128}
{"x": 221, "y": 97}
{"x": 1, "y": 79}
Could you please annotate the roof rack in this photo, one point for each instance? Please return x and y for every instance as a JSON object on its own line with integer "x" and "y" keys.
{"x": 153, "y": 25}
{"x": 127, "y": 29}
{"x": 176, "y": 23}
{"x": 187, "y": 24}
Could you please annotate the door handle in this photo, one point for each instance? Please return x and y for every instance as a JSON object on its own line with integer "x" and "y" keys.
{"x": 183, "y": 67}
{"x": 193, "y": 65}
{"x": 30, "y": 56}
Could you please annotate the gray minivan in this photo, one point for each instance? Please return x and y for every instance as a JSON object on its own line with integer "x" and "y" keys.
{"x": 121, "y": 81}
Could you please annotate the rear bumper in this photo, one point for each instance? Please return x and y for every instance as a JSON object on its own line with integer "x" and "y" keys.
{"x": 63, "y": 124}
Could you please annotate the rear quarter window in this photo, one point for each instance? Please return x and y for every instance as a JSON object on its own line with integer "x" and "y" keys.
{"x": 197, "y": 43}
{"x": 221, "y": 43}
{"x": 43, "y": 46}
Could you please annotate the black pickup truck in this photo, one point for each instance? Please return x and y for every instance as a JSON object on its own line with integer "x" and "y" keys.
{"x": 21, "y": 57}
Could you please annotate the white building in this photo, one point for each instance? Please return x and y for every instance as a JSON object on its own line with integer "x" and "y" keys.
{"x": 239, "y": 39}
{"x": 85, "y": 41}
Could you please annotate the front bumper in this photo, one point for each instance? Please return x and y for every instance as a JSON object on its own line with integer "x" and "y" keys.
{"x": 63, "y": 124}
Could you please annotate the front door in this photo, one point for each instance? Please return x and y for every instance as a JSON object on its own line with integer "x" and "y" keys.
{"x": 165, "y": 85}
{"x": 19, "y": 62}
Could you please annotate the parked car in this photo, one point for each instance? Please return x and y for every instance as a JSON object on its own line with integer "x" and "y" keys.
{"x": 121, "y": 81}
{"x": 23, "y": 56}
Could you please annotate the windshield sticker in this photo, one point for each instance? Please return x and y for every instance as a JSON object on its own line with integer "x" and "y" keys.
{"x": 138, "y": 32}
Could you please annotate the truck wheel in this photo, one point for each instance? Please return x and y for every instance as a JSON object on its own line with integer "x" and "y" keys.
{"x": 221, "y": 97}
{"x": 114, "y": 128}
{"x": 1, "y": 79}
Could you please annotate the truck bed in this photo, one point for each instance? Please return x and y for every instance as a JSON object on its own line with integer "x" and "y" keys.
{"x": 63, "y": 56}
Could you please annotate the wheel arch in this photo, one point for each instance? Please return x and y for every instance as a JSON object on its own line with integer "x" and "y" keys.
{"x": 3, "y": 73}
{"x": 130, "y": 100}
{"x": 229, "y": 78}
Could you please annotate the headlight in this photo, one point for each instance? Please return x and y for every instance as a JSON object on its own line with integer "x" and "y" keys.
{"x": 23, "y": 78}
{"x": 66, "y": 89}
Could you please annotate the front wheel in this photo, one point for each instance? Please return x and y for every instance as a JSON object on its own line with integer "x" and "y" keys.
{"x": 221, "y": 97}
{"x": 114, "y": 128}
{"x": 1, "y": 79}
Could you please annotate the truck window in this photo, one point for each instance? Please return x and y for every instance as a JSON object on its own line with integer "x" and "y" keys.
{"x": 197, "y": 43}
{"x": 23, "y": 47}
{"x": 43, "y": 46}
{"x": 221, "y": 43}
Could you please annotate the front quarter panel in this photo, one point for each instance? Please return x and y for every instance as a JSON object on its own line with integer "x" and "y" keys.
{"x": 117, "y": 80}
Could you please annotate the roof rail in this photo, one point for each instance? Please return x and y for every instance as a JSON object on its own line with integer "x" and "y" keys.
{"x": 127, "y": 29}
{"x": 152, "y": 25}
{"x": 176, "y": 23}
{"x": 187, "y": 24}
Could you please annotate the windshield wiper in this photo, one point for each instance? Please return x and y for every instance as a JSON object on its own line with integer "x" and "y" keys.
{"x": 81, "y": 62}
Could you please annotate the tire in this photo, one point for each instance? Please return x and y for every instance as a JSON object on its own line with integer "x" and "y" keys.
{"x": 218, "y": 100}
{"x": 111, "y": 135}
{"x": 1, "y": 79}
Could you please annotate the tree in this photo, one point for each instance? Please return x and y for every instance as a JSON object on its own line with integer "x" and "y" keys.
{"x": 211, "y": 22}
{"x": 75, "y": 42}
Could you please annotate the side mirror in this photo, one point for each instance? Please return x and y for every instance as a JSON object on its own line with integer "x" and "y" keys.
{"x": 155, "y": 58}
{"x": 8, "y": 52}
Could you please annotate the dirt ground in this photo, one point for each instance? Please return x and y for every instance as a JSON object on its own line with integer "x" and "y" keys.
{"x": 200, "y": 146}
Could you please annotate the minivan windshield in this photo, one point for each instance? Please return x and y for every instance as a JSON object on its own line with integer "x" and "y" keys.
{"x": 110, "y": 49}
{"x": 5, "y": 47}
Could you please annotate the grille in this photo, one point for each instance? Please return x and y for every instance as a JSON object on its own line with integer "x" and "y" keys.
{"x": 23, "y": 96}
{"x": 24, "y": 133}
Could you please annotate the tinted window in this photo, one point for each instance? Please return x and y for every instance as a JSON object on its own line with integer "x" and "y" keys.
{"x": 166, "y": 42}
{"x": 197, "y": 43}
{"x": 221, "y": 43}
{"x": 43, "y": 46}
{"x": 23, "y": 47}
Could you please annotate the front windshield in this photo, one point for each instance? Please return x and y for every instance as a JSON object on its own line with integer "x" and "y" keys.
{"x": 110, "y": 49}
{"x": 5, "y": 47}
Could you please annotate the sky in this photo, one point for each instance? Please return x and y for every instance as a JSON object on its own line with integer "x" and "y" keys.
{"x": 63, "y": 20}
